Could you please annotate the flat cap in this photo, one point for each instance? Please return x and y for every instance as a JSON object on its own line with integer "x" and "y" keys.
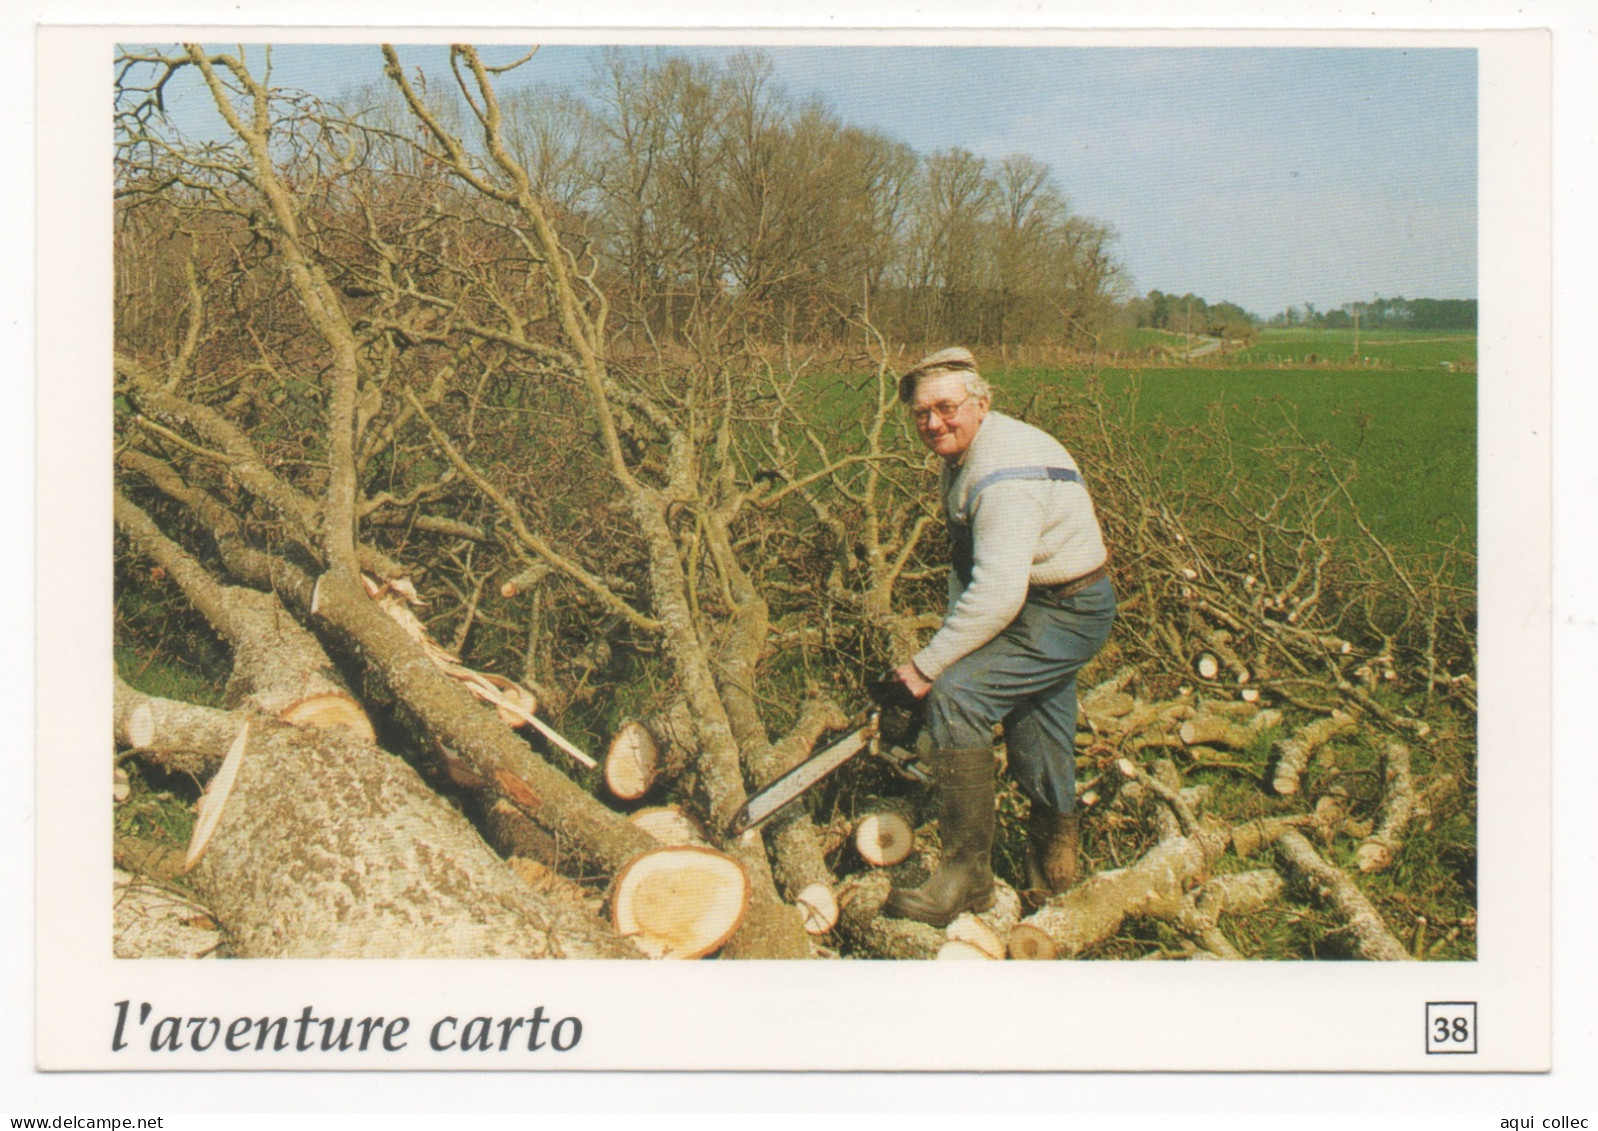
{"x": 956, "y": 358}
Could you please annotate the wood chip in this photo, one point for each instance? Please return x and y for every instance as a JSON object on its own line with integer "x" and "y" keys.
{"x": 215, "y": 797}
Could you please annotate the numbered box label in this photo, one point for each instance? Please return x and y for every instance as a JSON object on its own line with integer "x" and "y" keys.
{"x": 1450, "y": 1027}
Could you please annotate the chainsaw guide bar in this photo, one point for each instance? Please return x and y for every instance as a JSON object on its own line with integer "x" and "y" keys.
{"x": 792, "y": 785}
{"x": 889, "y": 730}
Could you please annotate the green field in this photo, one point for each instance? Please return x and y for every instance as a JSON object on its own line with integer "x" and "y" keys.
{"x": 1408, "y": 426}
{"x": 1130, "y": 340}
{"x": 1275, "y": 347}
{"x": 1411, "y": 432}
{"x": 1398, "y": 349}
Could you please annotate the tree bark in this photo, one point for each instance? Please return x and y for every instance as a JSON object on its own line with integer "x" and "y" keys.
{"x": 329, "y": 847}
{"x": 279, "y": 668}
{"x": 1155, "y": 886}
{"x": 1372, "y": 939}
{"x": 1379, "y": 849}
{"x": 449, "y": 715}
{"x": 1295, "y": 753}
{"x": 178, "y": 737}
{"x": 1240, "y": 893}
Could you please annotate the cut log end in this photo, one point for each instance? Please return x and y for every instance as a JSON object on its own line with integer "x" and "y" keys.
{"x": 884, "y": 839}
{"x": 630, "y": 765}
{"x": 680, "y": 902}
{"x": 139, "y": 729}
{"x": 1373, "y": 856}
{"x": 669, "y": 825}
{"x": 1028, "y": 944}
{"x": 326, "y": 711}
{"x": 819, "y": 907}
{"x": 956, "y": 949}
{"x": 973, "y": 931}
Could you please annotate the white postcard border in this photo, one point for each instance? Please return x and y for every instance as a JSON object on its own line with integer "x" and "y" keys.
{"x": 1309, "y": 1016}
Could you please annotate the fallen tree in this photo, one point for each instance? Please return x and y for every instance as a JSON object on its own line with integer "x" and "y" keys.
{"x": 324, "y": 845}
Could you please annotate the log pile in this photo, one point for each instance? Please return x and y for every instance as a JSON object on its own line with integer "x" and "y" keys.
{"x": 1191, "y": 879}
{"x": 310, "y": 839}
{"x": 683, "y": 898}
{"x": 675, "y": 892}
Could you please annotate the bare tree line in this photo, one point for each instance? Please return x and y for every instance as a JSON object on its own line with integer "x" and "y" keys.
{"x": 710, "y": 196}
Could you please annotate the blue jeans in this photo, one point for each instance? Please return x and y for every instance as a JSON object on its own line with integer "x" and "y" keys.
{"x": 1025, "y": 678}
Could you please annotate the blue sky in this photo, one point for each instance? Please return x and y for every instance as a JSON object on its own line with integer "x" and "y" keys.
{"x": 1265, "y": 176}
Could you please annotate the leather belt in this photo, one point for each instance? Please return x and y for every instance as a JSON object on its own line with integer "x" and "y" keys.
{"x": 1067, "y": 588}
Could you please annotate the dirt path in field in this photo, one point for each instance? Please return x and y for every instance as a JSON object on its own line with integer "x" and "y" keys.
{"x": 1209, "y": 346}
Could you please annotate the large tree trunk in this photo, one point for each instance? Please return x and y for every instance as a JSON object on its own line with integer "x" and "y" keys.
{"x": 328, "y": 846}
{"x": 446, "y": 713}
{"x": 473, "y": 733}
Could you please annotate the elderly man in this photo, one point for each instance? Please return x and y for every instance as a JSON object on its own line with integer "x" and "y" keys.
{"x": 1029, "y": 603}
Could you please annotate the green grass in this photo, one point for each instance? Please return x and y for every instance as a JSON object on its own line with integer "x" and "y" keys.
{"x": 1410, "y": 426}
{"x": 160, "y": 809}
{"x": 1411, "y": 431}
{"x": 1399, "y": 349}
{"x": 1143, "y": 338}
{"x": 1413, "y": 434}
{"x": 166, "y": 680}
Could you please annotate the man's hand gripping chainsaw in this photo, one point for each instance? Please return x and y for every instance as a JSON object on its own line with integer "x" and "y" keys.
{"x": 891, "y": 730}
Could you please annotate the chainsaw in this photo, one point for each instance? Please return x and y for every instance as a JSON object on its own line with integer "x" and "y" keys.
{"x": 891, "y": 730}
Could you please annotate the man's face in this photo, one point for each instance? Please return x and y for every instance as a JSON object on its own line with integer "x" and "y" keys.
{"x": 947, "y": 415}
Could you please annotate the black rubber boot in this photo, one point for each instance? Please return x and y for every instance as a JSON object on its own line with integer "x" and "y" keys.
{"x": 1053, "y": 848}
{"x": 964, "y": 879}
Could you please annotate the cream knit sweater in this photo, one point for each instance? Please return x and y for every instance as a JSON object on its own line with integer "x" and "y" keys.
{"x": 1025, "y": 532}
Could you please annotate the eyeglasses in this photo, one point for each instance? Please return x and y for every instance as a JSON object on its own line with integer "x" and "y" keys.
{"x": 946, "y": 411}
